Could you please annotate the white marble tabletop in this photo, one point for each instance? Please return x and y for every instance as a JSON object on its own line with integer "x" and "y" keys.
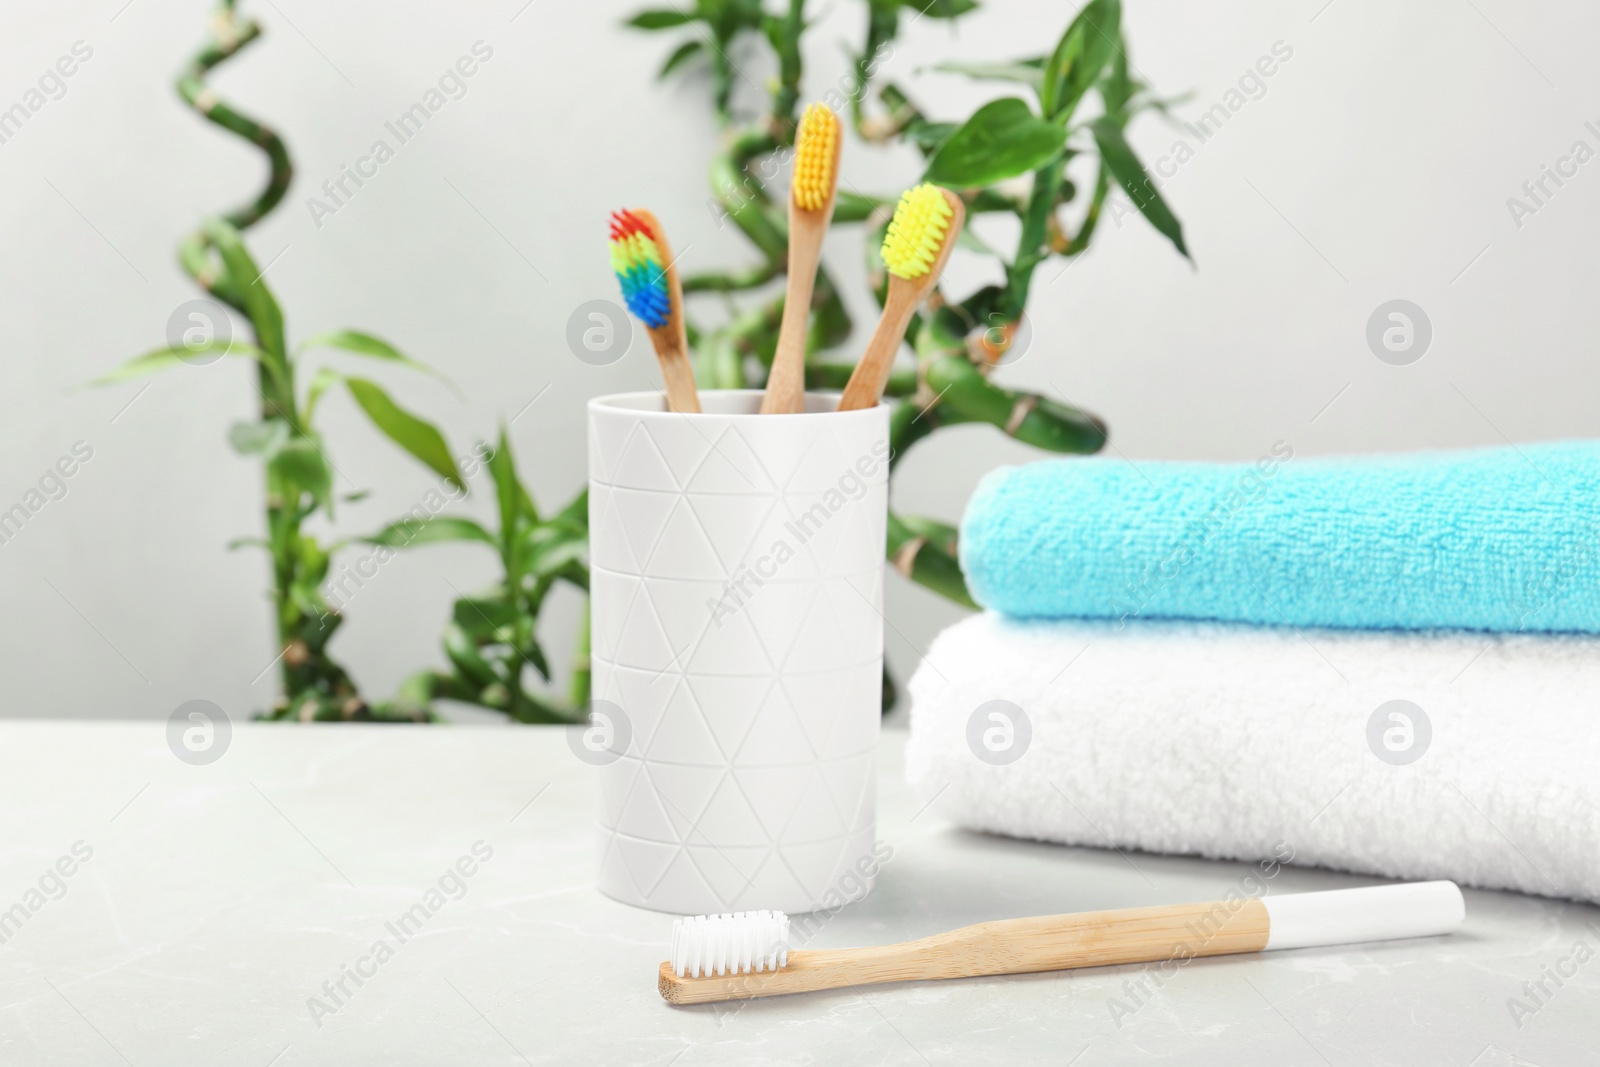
{"x": 244, "y": 912}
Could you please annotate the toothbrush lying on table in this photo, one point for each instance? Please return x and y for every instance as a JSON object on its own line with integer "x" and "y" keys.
{"x": 731, "y": 957}
{"x": 922, "y": 233}
{"x": 643, "y": 264}
{"x": 811, "y": 196}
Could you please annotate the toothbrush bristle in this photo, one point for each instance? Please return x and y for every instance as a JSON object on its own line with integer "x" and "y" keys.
{"x": 815, "y": 144}
{"x": 741, "y": 942}
{"x": 636, "y": 259}
{"x": 917, "y": 231}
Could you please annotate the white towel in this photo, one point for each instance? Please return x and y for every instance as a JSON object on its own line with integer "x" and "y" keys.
{"x": 1241, "y": 742}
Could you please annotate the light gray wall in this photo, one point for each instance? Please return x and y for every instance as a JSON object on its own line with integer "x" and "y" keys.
{"x": 1376, "y": 165}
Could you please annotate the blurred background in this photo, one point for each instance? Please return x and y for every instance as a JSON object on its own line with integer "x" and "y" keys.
{"x": 1378, "y": 162}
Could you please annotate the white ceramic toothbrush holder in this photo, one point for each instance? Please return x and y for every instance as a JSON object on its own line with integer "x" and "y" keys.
{"x": 736, "y": 592}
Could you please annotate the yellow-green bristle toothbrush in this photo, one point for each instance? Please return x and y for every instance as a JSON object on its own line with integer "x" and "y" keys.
{"x": 643, "y": 265}
{"x": 921, "y": 235}
{"x": 811, "y": 197}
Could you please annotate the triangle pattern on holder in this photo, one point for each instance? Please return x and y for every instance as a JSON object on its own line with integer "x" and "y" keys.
{"x": 818, "y": 702}
{"x": 683, "y": 445}
{"x": 853, "y": 784}
{"x": 641, "y": 465}
{"x": 731, "y": 467}
{"x": 730, "y": 870}
{"x": 774, "y": 737}
{"x": 725, "y": 703}
{"x": 642, "y": 640}
{"x": 816, "y": 817}
{"x": 732, "y": 525}
{"x": 682, "y": 736}
{"x": 820, "y": 640}
{"x": 643, "y": 517}
{"x": 819, "y": 860}
{"x": 684, "y": 793}
{"x": 682, "y": 880}
{"x": 683, "y": 550}
{"x": 821, "y": 467}
{"x": 773, "y": 793}
{"x": 645, "y": 861}
{"x": 728, "y": 820}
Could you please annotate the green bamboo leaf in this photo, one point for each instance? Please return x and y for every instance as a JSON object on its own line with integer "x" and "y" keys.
{"x": 1117, "y": 88}
{"x": 576, "y": 514}
{"x": 503, "y": 470}
{"x": 325, "y": 378}
{"x": 1130, "y": 174}
{"x": 973, "y": 243}
{"x": 314, "y": 560}
{"x": 308, "y": 599}
{"x": 1003, "y": 139}
{"x": 162, "y": 358}
{"x": 414, "y": 435}
{"x": 680, "y": 55}
{"x": 300, "y": 462}
{"x": 533, "y": 652}
{"x": 940, "y": 533}
{"x": 1029, "y": 72}
{"x": 483, "y": 618}
{"x": 659, "y": 20}
{"x": 928, "y": 136}
{"x": 409, "y": 533}
{"x": 550, "y": 556}
{"x": 259, "y": 304}
{"x": 416, "y": 690}
{"x": 941, "y": 9}
{"x": 464, "y": 654}
{"x": 365, "y": 344}
{"x": 262, "y": 437}
{"x": 1082, "y": 53}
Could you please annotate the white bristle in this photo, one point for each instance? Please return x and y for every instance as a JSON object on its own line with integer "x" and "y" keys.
{"x": 741, "y": 942}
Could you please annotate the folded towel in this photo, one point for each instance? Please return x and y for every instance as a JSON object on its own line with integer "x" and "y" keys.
{"x": 1233, "y": 741}
{"x": 1497, "y": 539}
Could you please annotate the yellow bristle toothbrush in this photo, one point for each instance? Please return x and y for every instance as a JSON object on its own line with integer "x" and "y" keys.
{"x": 811, "y": 197}
{"x": 924, "y": 229}
{"x": 746, "y": 954}
{"x": 643, "y": 265}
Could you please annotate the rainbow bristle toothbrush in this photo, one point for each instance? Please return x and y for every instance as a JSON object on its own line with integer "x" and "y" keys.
{"x": 921, "y": 235}
{"x": 746, "y": 954}
{"x": 643, "y": 265}
{"x": 811, "y": 197}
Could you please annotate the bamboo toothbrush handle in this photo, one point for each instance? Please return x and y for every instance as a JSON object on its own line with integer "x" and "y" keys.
{"x": 672, "y": 352}
{"x": 786, "y": 385}
{"x": 872, "y": 373}
{"x": 1101, "y": 938}
{"x": 1008, "y": 946}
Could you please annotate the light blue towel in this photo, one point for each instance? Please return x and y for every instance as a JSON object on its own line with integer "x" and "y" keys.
{"x": 1495, "y": 539}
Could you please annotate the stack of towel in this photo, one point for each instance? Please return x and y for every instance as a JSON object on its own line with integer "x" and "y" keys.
{"x": 1385, "y": 664}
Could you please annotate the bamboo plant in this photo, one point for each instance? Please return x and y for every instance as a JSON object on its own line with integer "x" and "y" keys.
{"x": 492, "y": 638}
{"x": 298, "y": 476}
{"x": 1013, "y": 156}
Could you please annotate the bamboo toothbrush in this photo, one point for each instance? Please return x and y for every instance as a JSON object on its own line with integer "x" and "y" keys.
{"x": 923, "y": 231}
{"x": 811, "y": 197}
{"x": 643, "y": 264}
{"x": 731, "y": 957}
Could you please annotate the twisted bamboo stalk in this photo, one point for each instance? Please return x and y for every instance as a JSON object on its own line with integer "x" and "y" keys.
{"x": 229, "y": 34}
{"x": 314, "y": 685}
